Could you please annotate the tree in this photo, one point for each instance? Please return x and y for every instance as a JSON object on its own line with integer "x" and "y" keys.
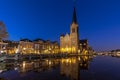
{"x": 3, "y": 31}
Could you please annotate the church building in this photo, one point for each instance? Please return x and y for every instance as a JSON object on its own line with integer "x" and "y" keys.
{"x": 70, "y": 43}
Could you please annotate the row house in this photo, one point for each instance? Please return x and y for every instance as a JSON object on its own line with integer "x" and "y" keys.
{"x": 26, "y": 46}
{"x": 38, "y": 46}
{"x": 46, "y": 47}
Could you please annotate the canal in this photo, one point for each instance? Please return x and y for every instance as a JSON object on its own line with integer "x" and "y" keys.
{"x": 73, "y": 68}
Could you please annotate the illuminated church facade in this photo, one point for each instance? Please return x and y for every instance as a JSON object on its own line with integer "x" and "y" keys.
{"x": 70, "y": 43}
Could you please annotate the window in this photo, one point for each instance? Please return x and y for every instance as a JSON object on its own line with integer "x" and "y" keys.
{"x": 73, "y": 30}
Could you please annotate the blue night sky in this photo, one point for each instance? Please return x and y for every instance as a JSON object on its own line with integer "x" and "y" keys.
{"x": 99, "y": 20}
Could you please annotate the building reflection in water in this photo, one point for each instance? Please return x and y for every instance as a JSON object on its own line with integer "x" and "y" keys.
{"x": 6, "y": 67}
{"x": 37, "y": 66}
{"x": 27, "y": 66}
{"x": 71, "y": 67}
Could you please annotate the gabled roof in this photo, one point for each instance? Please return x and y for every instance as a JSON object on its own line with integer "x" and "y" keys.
{"x": 26, "y": 40}
{"x": 38, "y": 39}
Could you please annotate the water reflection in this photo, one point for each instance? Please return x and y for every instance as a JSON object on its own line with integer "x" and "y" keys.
{"x": 68, "y": 67}
{"x": 26, "y": 66}
{"x": 6, "y": 67}
{"x": 37, "y": 66}
{"x": 71, "y": 67}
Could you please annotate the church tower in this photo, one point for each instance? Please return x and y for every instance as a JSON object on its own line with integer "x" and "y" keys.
{"x": 69, "y": 42}
{"x": 74, "y": 35}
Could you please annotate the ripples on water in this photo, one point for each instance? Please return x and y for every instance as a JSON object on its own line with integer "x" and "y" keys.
{"x": 73, "y": 68}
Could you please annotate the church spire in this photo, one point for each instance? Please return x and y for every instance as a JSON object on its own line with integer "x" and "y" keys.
{"x": 74, "y": 20}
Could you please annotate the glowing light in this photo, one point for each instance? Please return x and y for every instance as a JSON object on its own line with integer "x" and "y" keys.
{"x": 15, "y": 68}
{"x": 67, "y": 60}
{"x": 24, "y": 63}
{"x": 17, "y": 51}
{"x": 1, "y": 71}
{"x": 24, "y": 48}
{"x": 79, "y": 58}
{"x": 50, "y": 62}
{"x": 78, "y": 51}
{"x": 67, "y": 49}
{"x": 2, "y": 51}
